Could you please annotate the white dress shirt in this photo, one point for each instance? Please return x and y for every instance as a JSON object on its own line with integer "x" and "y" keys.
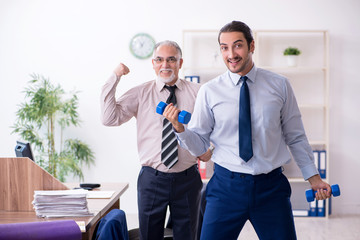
{"x": 275, "y": 119}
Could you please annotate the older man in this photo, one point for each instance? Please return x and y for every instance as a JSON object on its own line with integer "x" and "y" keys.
{"x": 169, "y": 174}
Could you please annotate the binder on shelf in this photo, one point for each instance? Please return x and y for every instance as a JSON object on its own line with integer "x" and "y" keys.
{"x": 202, "y": 169}
{"x": 313, "y": 208}
{"x": 193, "y": 78}
{"x": 322, "y": 163}
{"x": 316, "y": 158}
{"x": 321, "y": 208}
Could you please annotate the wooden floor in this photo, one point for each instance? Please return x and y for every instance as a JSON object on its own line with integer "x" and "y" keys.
{"x": 332, "y": 228}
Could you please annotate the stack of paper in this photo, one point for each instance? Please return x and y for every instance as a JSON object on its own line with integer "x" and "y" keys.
{"x": 64, "y": 203}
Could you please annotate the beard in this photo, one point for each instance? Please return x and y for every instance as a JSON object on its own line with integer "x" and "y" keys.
{"x": 245, "y": 63}
{"x": 166, "y": 79}
{"x": 239, "y": 68}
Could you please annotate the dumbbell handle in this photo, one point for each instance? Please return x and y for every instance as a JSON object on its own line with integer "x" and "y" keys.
{"x": 184, "y": 116}
{"x": 310, "y": 194}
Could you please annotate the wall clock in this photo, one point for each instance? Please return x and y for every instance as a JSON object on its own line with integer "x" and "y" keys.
{"x": 142, "y": 45}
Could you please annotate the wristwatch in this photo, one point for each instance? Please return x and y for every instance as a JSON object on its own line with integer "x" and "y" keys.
{"x": 211, "y": 148}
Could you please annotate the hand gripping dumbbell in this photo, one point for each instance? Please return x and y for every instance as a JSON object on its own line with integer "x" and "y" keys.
{"x": 184, "y": 116}
{"x": 310, "y": 194}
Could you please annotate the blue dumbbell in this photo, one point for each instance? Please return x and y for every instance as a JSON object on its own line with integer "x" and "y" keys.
{"x": 310, "y": 194}
{"x": 184, "y": 116}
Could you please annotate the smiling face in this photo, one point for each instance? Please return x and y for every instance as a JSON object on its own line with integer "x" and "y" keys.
{"x": 236, "y": 53}
{"x": 167, "y": 63}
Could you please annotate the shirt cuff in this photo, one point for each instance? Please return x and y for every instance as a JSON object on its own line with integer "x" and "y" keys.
{"x": 309, "y": 171}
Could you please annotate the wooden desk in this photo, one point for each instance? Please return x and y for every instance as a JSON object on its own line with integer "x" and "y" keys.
{"x": 100, "y": 207}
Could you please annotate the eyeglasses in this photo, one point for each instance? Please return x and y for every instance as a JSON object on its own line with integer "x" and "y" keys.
{"x": 160, "y": 60}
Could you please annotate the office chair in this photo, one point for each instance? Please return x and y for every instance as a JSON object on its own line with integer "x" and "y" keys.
{"x": 114, "y": 227}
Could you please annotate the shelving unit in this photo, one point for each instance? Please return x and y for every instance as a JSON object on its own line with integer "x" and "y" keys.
{"x": 309, "y": 80}
{"x": 201, "y": 54}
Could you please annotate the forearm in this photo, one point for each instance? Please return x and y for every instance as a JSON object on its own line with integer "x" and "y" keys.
{"x": 193, "y": 142}
{"x": 108, "y": 101}
{"x": 304, "y": 158}
{"x": 195, "y": 138}
{"x": 295, "y": 137}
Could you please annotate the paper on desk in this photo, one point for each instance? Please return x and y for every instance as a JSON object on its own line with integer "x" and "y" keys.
{"x": 81, "y": 225}
{"x": 100, "y": 194}
{"x": 76, "y": 193}
{"x": 61, "y": 203}
{"x": 62, "y": 192}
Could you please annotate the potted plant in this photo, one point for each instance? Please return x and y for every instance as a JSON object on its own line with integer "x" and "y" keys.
{"x": 292, "y": 55}
{"x": 42, "y": 120}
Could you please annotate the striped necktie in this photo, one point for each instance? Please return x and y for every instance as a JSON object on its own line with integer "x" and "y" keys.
{"x": 169, "y": 149}
{"x": 245, "y": 139}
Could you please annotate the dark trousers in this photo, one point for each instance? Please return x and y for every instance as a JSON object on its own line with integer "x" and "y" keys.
{"x": 233, "y": 198}
{"x": 179, "y": 191}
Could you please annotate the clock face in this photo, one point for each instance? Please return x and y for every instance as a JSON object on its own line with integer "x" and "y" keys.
{"x": 142, "y": 45}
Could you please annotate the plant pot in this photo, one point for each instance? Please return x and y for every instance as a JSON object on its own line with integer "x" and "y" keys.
{"x": 292, "y": 60}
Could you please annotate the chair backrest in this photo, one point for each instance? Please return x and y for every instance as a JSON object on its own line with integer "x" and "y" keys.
{"x": 113, "y": 226}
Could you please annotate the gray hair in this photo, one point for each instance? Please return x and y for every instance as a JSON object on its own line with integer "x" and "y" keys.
{"x": 169, "y": 43}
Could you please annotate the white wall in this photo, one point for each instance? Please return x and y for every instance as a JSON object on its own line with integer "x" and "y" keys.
{"x": 78, "y": 44}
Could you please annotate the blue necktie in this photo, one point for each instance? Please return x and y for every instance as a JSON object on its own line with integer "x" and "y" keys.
{"x": 245, "y": 142}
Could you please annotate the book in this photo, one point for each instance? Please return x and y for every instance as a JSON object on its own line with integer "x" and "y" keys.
{"x": 313, "y": 208}
{"x": 321, "y": 208}
{"x": 195, "y": 79}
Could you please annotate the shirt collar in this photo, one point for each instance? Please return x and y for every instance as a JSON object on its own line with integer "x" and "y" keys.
{"x": 235, "y": 78}
{"x": 160, "y": 85}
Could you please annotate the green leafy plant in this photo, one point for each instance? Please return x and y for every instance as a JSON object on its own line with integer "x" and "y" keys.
{"x": 292, "y": 51}
{"x": 42, "y": 120}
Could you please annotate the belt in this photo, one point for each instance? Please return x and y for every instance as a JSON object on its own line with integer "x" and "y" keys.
{"x": 227, "y": 173}
{"x": 191, "y": 170}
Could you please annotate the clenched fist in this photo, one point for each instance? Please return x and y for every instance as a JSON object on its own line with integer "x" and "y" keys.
{"x": 121, "y": 70}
